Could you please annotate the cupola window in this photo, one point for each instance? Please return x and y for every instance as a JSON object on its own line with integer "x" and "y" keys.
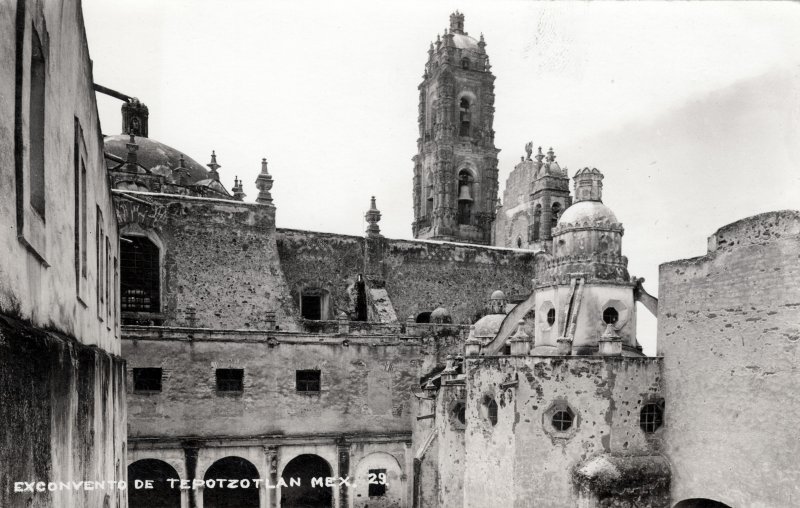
{"x": 551, "y": 316}
{"x": 556, "y": 213}
{"x": 651, "y": 417}
{"x": 610, "y": 316}
{"x": 562, "y": 420}
{"x": 465, "y": 117}
{"x": 465, "y": 63}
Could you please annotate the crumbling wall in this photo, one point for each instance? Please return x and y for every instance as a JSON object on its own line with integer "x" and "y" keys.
{"x": 219, "y": 258}
{"x": 63, "y": 418}
{"x": 523, "y": 461}
{"x": 728, "y": 330}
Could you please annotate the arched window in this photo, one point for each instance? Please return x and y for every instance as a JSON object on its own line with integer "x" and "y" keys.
{"x": 429, "y": 194}
{"x": 465, "y": 199}
{"x": 423, "y": 317}
{"x": 465, "y": 63}
{"x": 140, "y": 275}
{"x": 519, "y": 242}
{"x": 491, "y": 410}
{"x": 556, "y": 213}
{"x": 465, "y": 117}
{"x": 537, "y": 222}
{"x": 551, "y": 316}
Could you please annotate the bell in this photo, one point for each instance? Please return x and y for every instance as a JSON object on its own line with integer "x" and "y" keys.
{"x": 463, "y": 194}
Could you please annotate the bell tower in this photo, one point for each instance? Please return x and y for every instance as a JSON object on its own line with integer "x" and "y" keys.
{"x": 455, "y": 169}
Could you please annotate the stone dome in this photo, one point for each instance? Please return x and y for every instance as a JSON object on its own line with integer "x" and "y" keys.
{"x": 463, "y": 41}
{"x": 488, "y": 326}
{"x": 154, "y": 154}
{"x": 587, "y": 211}
{"x": 440, "y": 315}
{"x": 498, "y": 295}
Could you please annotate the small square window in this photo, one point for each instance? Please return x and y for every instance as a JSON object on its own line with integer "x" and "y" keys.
{"x": 377, "y": 482}
{"x": 308, "y": 380}
{"x": 147, "y": 380}
{"x": 230, "y": 380}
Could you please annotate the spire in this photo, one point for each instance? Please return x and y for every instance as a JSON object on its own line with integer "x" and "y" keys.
{"x": 482, "y": 43}
{"x": 457, "y": 23}
{"x": 551, "y": 155}
{"x": 373, "y": 216}
{"x": 264, "y": 184}
{"x": 131, "y": 163}
{"x": 238, "y": 191}
{"x": 214, "y": 166}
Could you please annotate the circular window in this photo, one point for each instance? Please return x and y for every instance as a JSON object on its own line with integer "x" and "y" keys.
{"x": 610, "y": 316}
{"x": 460, "y": 413}
{"x": 651, "y": 418}
{"x": 551, "y": 316}
{"x": 491, "y": 410}
{"x": 562, "y": 420}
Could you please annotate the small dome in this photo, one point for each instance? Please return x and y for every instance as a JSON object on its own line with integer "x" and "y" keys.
{"x": 498, "y": 295}
{"x": 488, "y": 326}
{"x": 587, "y": 211}
{"x": 462, "y": 41}
{"x": 440, "y": 315}
{"x": 152, "y": 154}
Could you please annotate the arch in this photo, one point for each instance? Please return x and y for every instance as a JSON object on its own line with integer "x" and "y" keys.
{"x": 465, "y": 116}
{"x": 387, "y": 486}
{"x": 222, "y": 496}
{"x": 306, "y": 467}
{"x": 465, "y": 63}
{"x": 466, "y": 195}
{"x": 162, "y": 495}
{"x": 555, "y": 214}
{"x": 537, "y": 222}
{"x": 423, "y": 317}
{"x": 700, "y": 503}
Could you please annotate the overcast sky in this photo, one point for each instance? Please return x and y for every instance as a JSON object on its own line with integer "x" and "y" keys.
{"x": 691, "y": 110}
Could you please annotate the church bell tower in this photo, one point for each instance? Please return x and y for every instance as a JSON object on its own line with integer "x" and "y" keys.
{"x": 455, "y": 169}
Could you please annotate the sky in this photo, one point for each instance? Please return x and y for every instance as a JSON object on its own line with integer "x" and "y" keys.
{"x": 690, "y": 109}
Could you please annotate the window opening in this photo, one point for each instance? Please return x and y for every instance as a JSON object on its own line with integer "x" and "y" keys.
{"x": 230, "y": 380}
{"x": 610, "y": 316}
{"x": 465, "y": 63}
{"x": 537, "y": 222}
{"x": 551, "y": 316}
{"x": 460, "y": 412}
{"x": 36, "y": 125}
{"x": 652, "y": 416}
{"x": 556, "y": 212}
{"x": 491, "y": 411}
{"x": 307, "y": 380}
{"x": 465, "y": 117}
{"x": 140, "y": 275}
{"x": 147, "y": 379}
{"x": 361, "y": 299}
{"x": 423, "y": 317}
{"x": 562, "y": 420}
{"x": 465, "y": 199}
{"x": 311, "y": 304}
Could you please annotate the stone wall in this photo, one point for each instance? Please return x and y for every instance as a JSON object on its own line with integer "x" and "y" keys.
{"x": 522, "y": 461}
{"x": 728, "y": 331}
{"x": 419, "y": 276}
{"x": 63, "y": 418}
{"x": 366, "y": 383}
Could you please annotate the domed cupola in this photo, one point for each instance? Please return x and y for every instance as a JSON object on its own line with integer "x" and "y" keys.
{"x": 486, "y": 328}
{"x": 588, "y": 237}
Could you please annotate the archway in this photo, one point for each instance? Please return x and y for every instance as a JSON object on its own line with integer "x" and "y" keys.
{"x": 162, "y": 495}
{"x": 305, "y": 468}
{"x": 245, "y": 493}
{"x": 700, "y": 503}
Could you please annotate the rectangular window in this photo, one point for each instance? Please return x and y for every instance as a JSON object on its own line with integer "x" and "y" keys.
{"x": 76, "y": 163}
{"x": 116, "y": 295}
{"x": 99, "y": 274}
{"x": 311, "y": 306}
{"x": 84, "y": 222}
{"x": 377, "y": 482}
{"x": 308, "y": 380}
{"x": 140, "y": 275}
{"x": 230, "y": 380}
{"x": 147, "y": 379}
{"x": 107, "y": 275}
{"x": 36, "y": 125}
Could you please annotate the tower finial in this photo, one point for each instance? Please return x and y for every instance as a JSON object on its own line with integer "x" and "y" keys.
{"x": 457, "y": 23}
{"x": 238, "y": 191}
{"x": 131, "y": 163}
{"x": 264, "y": 184}
{"x": 213, "y": 166}
{"x": 373, "y": 216}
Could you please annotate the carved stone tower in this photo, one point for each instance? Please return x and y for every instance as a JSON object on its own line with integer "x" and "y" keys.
{"x": 455, "y": 169}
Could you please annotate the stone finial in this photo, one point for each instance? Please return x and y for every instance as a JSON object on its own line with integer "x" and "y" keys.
{"x": 520, "y": 342}
{"x": 182, "y": 172}
{"x": 373, "y": 216}
{"x": 131, "y": 163}
{"x": 529, "y": 149}
{"x": 264, "y": 184}
{"x": 238, "y": 190}
{"x": 482, "y": 43}
{"x": 564, "y": 346}
{"x": 213, "y": 166}
{"x": 457, "y": 23}
{"x": 551, "y": 156}
{"x": 472, "y": 346}
{"x": 610, "y": 343}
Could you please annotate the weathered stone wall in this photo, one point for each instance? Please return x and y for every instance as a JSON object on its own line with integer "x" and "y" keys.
{"x": 38, "y": 260}
{"x": 728, "y": 331}
{"x": 218, "y": 257}
{"x": 522, "y": 461}
{"x": 63, "y": 418}
{"x": 419, "y": 275}
{"x": 366, "y": 383}
{"x": 513, "y": 219}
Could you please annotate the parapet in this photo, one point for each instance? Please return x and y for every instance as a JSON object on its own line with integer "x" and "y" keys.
{"x": 756, "y": 230}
